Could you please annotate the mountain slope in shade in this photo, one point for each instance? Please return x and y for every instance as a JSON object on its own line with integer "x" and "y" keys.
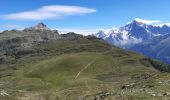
{"x": 75, "y": 67}
{"x": 157, "y": 48}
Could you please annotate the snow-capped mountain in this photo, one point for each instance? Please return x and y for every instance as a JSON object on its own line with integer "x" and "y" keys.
{"x": 133, "y": 33}
{"x": 101, "y": 34}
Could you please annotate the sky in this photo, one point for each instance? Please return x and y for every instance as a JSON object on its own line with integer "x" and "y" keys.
{"x": 82, "y": 16}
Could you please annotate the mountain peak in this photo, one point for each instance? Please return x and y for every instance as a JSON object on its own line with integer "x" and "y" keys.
{"x": 101, "y": 31}
{"x": 40, "y": 26}
{"x": 137, "y": 22}
{"x": 141, "y": 21}
{"x": 100, "y": 34}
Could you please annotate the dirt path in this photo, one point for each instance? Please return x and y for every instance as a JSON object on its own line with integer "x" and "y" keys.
{"x": 85, "y": 67}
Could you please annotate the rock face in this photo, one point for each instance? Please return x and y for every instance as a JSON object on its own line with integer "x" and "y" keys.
{"x": 102, "y": 95}
{"x": 34, "y": 35}
{"x": 41, "y": 26}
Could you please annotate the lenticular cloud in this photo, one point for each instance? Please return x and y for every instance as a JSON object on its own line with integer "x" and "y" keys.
{"x": 49, "y": 12}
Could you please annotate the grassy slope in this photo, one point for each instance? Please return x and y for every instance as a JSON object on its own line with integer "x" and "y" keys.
{"x": 49, "y": 72}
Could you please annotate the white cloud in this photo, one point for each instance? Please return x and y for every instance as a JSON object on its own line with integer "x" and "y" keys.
{"x": 147, "y": 21}
{"x": 168, "y": 24}
{"x": 49, "y": 12}
{"x": 162, "y": 24}
{"x": 83, "y": 31}
{"x": 152, "y": 22}
{"x": 9, "y": 25}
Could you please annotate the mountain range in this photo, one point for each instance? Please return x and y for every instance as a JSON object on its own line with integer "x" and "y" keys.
{"x": 150, "y": 40}
{"x": 38, "y": 63}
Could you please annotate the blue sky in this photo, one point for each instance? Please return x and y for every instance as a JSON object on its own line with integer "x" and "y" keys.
{"x": 94, "y": 14}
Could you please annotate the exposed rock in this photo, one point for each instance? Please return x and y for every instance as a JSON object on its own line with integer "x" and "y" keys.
{"x": 143, "y": 76}
{"x": 128, "y": 86}
{"x": 148, "y": 86}
{"x": 3, "y": 93}
{"x": 41, "y": 26}
{"x": 153, "y": 95}
{"x": 101, "y": 95}
{"x": 166, "y": 94}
